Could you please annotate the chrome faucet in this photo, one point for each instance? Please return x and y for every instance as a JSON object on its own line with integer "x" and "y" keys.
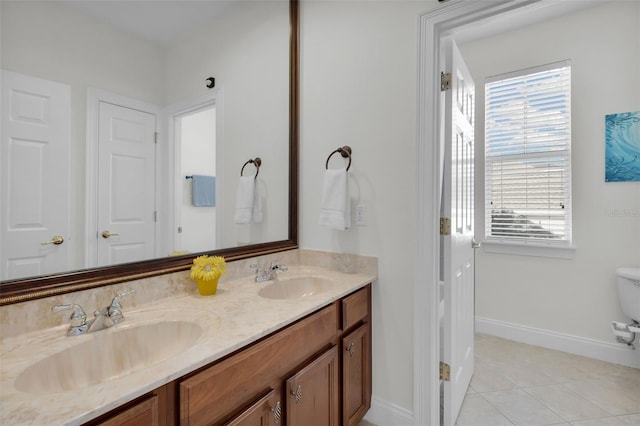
{"x": 268, "y": 273}
{"x": 103, "y": 318}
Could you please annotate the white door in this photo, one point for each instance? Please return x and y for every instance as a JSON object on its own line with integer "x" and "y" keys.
{"x": 126, "y": 182}
{"x": 458, "y": 253}
{"x": 34, "y": 176}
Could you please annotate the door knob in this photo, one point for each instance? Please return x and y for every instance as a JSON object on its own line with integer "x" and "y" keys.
{"x": 475, "y": 243}
{"x": 56, "y": 239}
{"x": 108, "y": 234}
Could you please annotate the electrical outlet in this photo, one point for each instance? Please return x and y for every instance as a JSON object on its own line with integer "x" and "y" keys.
{"x": 360, "y": 215}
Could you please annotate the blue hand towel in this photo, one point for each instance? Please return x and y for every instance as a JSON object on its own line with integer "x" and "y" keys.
{"x": 204, "y": 191}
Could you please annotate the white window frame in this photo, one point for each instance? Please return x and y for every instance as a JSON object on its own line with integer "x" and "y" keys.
{"x": 529, "y": 244}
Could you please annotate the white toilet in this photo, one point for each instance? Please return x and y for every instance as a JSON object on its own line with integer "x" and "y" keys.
{"x": 629, "y": 294}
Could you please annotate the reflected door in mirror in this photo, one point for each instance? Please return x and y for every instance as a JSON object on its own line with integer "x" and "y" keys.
{"x": 126, "y": 185}
{"x": 35, "y": 176}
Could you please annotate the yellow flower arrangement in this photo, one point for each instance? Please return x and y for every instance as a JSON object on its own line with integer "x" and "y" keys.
{"x": 208, "y": 268}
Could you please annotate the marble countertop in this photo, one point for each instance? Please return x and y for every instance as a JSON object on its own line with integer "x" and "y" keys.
{"x": 230, "y": 319}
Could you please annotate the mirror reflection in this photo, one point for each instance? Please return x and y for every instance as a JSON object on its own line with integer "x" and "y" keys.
{"x": 126, "y": 124}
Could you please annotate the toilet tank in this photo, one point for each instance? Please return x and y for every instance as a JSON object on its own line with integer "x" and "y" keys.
{"x": 629, "y": 291}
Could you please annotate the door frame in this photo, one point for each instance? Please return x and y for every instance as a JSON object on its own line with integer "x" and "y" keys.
{"x": 434, "y": 25}
{"x": 94, "y": 97}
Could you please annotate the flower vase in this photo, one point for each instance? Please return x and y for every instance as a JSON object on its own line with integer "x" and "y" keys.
{"x": 207, "y": 287}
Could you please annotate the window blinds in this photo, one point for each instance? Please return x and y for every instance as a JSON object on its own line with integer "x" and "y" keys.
{"x": 528, "y": 156}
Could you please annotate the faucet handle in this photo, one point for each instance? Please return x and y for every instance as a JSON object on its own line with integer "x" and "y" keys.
{"x": 115, "y": 310}
{"x": 78, "y": 317}
{"x": 77, "y": 320}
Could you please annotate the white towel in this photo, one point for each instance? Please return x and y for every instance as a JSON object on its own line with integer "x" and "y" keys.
{"x": 245, "y": 200}
{"x": 335, "y": 208}
{"x": 256, "y": 214}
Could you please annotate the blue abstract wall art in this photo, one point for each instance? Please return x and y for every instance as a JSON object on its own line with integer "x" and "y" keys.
{"x": 622, "y": 154}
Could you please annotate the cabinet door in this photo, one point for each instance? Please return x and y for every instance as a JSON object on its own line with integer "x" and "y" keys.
{"x": 312, "y": 393}
{"x": 267, "y": 411}
{"x": 144, "y": 413}
{"x": 356, "y": 375}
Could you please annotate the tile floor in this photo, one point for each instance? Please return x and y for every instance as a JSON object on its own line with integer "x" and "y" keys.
{"x": 519, "y": 384}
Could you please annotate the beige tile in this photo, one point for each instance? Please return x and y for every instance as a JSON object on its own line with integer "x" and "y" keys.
{"x": 522, "y": 409}
{"x": 630, "y": 419}
{"x": 487, "y": 377}
{"x": 528, "y": 373}
{"x": 609, "y": 421}
{"x": 476, "y": 411}
{"x": 566, "y": 403}
{"x": 617, "y": 395}
{"x": 532, "y": 385}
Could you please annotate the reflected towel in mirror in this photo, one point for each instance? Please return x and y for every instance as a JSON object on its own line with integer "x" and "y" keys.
{"x": 245, "y": 200}
{"x": 204, "y": 191}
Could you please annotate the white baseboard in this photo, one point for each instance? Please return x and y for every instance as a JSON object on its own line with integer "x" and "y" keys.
{"x": 383, "y": 413}
{"x": 604, "y": 351}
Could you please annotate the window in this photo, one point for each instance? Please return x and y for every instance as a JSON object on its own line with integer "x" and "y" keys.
{"x": 528, "y": 156}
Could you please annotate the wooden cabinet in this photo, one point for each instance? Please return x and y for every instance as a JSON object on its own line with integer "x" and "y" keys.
{"x": 215, "y": 394}
{"x": 356, "y": 356}
{"x": 313, "y": 393}
{"x": 153, "y": 409}
{"x": 356, "y": 375}
{"x": 266, "y": 411}
{"x": 315, "y": 372}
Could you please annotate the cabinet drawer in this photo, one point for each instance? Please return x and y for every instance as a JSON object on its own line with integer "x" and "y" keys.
{"x": 213, "y": 395}
{"x": 144, "y": 413}
{"x": 355, "y": 307}
{"x": 267, "y": 411}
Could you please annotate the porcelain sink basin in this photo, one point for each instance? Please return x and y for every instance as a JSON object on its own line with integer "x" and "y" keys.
{"x": 108, "y": 354}
{"x": 295, "y": 288}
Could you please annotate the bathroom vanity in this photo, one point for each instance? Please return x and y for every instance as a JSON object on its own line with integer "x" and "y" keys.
{"x": 267, "y": 354}
{"x": 315, "y": 371}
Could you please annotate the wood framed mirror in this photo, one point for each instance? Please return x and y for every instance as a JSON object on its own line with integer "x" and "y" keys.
{"x": 24, "y": 289}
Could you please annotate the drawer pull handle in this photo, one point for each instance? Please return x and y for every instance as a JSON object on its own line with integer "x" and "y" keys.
{"x": 297, "y": 394}
{"x": 277, "y": 412}
{"x": 351, "y": 349}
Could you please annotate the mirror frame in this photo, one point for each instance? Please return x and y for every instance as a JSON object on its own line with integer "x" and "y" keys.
{"x": 21, "y": 290}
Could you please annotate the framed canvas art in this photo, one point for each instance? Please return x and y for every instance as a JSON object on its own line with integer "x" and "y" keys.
{"x": 622, "y": 152}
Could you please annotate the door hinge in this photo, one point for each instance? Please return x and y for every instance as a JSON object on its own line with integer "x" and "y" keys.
{"x": 179, "y": 229}
{"x": 155, "y": 137}
{"x": 445, "y": 81}
{"x": 445, "y": 226}
{"x": 445, "y": 372}
{"x": 155, "y": 216}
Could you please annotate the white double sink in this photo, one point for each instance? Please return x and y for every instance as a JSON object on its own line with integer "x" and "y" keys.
{"x": 146, "y": 338}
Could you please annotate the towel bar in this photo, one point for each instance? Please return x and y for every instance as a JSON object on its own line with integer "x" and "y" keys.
{"x": 256, "y": 162}
{"x": 345, "y": 151}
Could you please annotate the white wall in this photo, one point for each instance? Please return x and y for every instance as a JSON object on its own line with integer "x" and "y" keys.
{"x": 246, "y": 50}
{"x": 576, "y": 297}
{"x": 358, "y": 88}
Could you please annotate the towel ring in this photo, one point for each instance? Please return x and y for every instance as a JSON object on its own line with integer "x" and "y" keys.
{"x": 345, "y": 151}
{"x": 256, "y": 162}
